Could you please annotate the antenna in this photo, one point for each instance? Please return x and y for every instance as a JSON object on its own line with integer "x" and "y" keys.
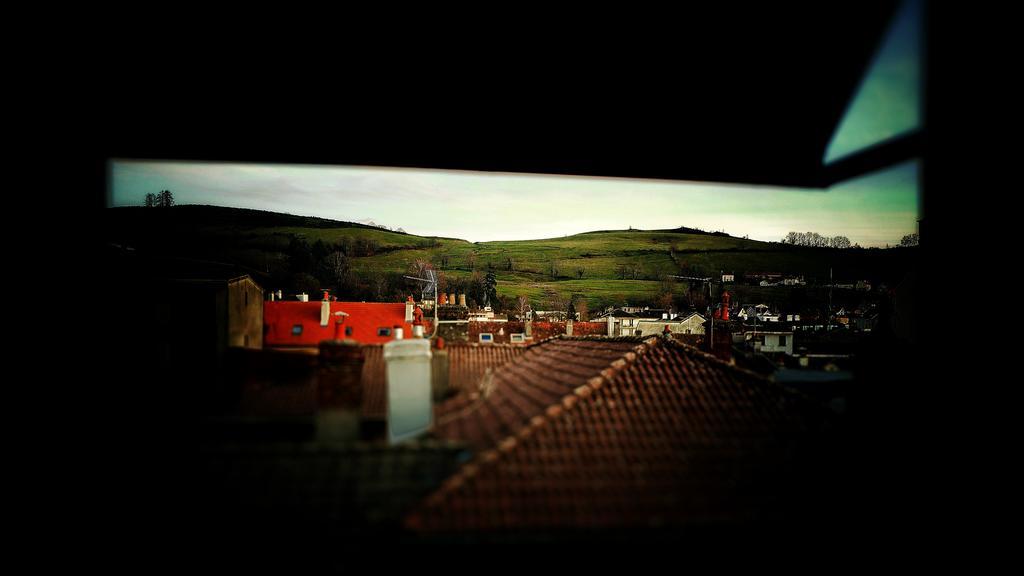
{"x": 711, "y": 297}
{"x": 431, "y": 286}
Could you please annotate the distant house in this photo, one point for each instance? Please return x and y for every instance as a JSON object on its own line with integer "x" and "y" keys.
{"x": 228, "y": 309}
{"x": 728, "y": 277}
{"x": 300, "y": 324}
{"x": 865, "y": 323}
{"x": 758, "y": 277}
{"x": 626, "y": 320}
{"x": 690, "y": 324}
{"x": 772, "y": 341}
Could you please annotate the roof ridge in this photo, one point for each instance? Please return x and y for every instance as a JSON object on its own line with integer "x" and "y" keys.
{"x": 694, "y": 351}
{"x": 481, "y": 398}
{"x": 471, "y": 469}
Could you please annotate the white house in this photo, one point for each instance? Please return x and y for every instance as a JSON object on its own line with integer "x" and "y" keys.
{"x": 691, "y": 324}
{"x": 772, "y": 341}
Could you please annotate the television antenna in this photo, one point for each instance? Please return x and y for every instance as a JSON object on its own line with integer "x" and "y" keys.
{"x": 429, "y": 288}
{"x": 711, "y": 318}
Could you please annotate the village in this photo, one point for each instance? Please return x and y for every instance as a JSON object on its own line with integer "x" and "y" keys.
{"x": 434, "y": 418}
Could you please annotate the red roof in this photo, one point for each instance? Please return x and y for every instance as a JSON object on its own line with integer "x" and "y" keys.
{"x": 584, "y": 433}
{"x": 524, "y": 388}
{"x": 292, "y": 323}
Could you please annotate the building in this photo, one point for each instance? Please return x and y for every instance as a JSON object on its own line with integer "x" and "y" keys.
{"x": 626, "y": 321}
{"x": 579, "y": 434}
{"x": 759, "y": 277}
{"x": 693, "y": 323}
{"x": 771, "y": 341}
{"x": 306, "y": 324}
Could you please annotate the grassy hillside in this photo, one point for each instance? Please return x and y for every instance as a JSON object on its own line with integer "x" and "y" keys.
{"x": 605, "y": 268}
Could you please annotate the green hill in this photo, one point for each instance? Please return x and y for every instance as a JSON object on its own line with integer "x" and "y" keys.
{"x": 604, "y": 268}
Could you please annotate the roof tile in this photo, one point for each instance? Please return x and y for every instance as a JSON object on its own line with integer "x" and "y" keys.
{"x": 667, "y": 436}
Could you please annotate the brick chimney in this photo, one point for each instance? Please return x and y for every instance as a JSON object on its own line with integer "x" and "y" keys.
{"x": 439, "y": 371}
{"x": 339, "y": 390}
{"x": 453, "y": 323}
{"x": 417, "y": 323}
{"x": 717, "y": 334}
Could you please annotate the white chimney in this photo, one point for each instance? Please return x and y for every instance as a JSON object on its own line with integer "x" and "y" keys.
{"x": 280, "y": 296}
{"x": 408, "y": 309}
{"x": 611, "y": 325}
{"x": 417, "y": 331}
{"x": 325, "y": 311}
{"x": 399, "y": 333}
{"x": 410, "y": 410}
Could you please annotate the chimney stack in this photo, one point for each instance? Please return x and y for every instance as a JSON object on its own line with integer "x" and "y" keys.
{"x": 399, "y": 332}
{"x": 439, "y": 371}
{"x": 462, "y": 299}
{"x": 417, "y": 323}
{"x": 339, "y": 391}
{"x": 338, "y": 323}
{"x": 409, "y": 305}
{"x": 725, "y": 305}
{"x": 325, "y": 311}
{"x": 408, "y": 369}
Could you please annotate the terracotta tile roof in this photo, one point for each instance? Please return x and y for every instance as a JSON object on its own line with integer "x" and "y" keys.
{"x": 526, "y": 387}
{"x": 466, "y": 365}
{"x": 591, "y": 434}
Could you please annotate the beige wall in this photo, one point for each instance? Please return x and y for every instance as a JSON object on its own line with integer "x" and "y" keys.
{"x": 654, "y": 327}
{"x": 245, "y": 314}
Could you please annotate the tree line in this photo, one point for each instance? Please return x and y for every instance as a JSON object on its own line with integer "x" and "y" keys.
{"x": 815, "y": 240}
{"x": 163, "y": 199}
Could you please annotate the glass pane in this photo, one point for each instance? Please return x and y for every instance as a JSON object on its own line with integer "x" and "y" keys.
{"x": 888, "y": 101}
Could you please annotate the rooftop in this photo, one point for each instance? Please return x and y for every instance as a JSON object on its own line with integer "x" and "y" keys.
{"x": 588, "y": 433}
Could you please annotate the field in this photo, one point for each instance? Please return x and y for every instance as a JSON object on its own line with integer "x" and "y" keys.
{"x": 605, "y": 268}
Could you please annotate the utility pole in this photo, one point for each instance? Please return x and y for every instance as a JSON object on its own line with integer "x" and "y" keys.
{"x": 828, "y": 317}
{"x": 711, "y": 297}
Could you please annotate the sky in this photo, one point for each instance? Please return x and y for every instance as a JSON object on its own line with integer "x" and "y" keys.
{"x": 873, "y": 210}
